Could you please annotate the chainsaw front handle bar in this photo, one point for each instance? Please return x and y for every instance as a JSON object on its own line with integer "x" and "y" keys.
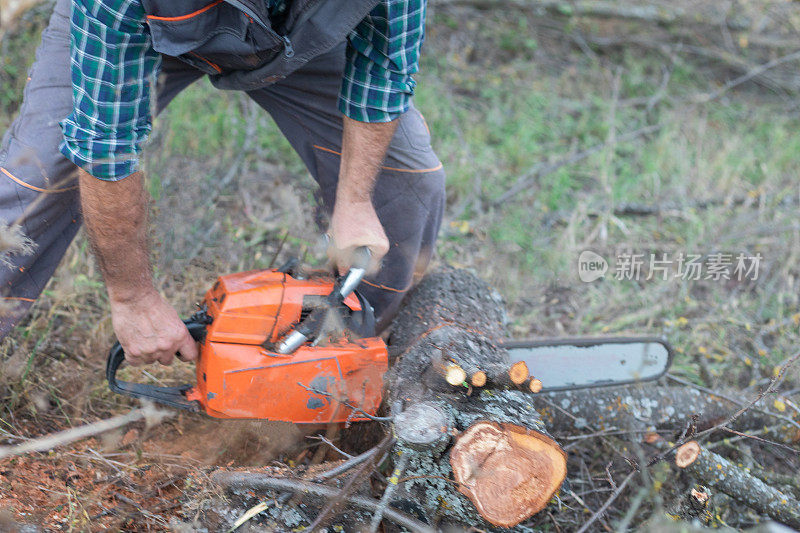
{"x": 172, "y": 396}
{"x": 311, "y": 326}
{"x": 361, "y": 257}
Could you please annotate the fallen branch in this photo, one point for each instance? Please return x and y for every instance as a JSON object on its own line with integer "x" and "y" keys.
{"x": 640, "y": 408}
{"x": 48, "y": 442}
{"x": 608, "y": 503}
{"x": 715, "y": 471}
{"x": 350, "y": 486}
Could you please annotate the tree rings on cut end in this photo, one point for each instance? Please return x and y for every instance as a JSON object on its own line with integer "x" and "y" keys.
{"x": 454, "y": 374}
{"x": 508, "y": 472}
{"x": 518, "y": 373}
{"x": 687, "y": 453}
{"x": 478, "y": 379}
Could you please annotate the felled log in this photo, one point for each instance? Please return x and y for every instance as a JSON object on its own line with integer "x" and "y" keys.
{"x": 475, "y": 455}
{"x": 654, "y": 407}
{"x": 717, "y": 472}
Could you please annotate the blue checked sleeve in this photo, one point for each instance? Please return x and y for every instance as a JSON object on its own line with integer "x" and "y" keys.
{"x": 113, "y": 67}
{"x": 382, "y": 54}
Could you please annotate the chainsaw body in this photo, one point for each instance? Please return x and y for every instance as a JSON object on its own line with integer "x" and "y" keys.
{"x": 241, "y": 372}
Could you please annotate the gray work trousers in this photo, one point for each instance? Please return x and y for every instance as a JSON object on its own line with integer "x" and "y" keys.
{"x": 38, "y": 185}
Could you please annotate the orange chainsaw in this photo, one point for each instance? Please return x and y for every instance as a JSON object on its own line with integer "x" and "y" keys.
{"x": 267, "y": 351}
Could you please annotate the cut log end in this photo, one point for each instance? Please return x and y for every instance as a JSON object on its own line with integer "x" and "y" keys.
{"x": 455, "y": 375}
{"x": 687, "y": 453}
{"x": 652, "y": 437}
{"x": 478, "y": 379}
{"x": 518, "y": 373}
{"x": 535, "y": 385}
{"x": 422, "y": 426}
{"x": 508, "y": 472}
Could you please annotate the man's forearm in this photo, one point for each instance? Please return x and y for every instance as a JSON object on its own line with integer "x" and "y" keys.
{"x": 147, "y": 327}
{"x": 364, "y": 147}
{"x": 354, "y": 222}
{"x": 116, "y": 220}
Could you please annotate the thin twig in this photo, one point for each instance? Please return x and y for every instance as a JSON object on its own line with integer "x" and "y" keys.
{"x": 347, "y": 465}
{"x": 332, "y": 445}
{"x": 387, "y": 494}
{"x": 759, "y": 439}
{"x": 608, "y": 503}
{"x": 351, "y": 484}
{"x": 347, "y": 404}
{"x": 757, "y": 71}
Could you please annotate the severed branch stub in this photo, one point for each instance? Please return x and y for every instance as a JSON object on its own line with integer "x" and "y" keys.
{"x": 454, "y": 374}
{"x": 478, "y": 379}
{"x": 535, "y": 385}
{"x": 686, "y": 454}
{"x": 422, "y": 426}
{"x": 518, "y": 373}
{"x": 509, "y": 472}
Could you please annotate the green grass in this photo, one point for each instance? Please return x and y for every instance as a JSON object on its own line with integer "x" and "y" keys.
{"x": 16, "y": 56}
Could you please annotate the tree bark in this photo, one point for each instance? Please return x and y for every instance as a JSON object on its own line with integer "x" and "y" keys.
{"x": 641, "y": 408}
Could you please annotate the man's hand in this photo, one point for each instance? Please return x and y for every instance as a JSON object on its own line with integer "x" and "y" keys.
{"x": 354, "y": 222}
{"x": 149, "y": 330}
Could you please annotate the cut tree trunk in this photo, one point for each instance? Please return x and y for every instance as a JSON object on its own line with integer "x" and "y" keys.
{"x": 472, "y": 451}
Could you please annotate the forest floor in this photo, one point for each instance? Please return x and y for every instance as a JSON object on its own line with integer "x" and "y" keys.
{"x": 551, "y": 131}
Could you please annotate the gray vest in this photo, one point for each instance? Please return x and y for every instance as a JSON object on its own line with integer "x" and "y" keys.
{"x": 235, "y": 42}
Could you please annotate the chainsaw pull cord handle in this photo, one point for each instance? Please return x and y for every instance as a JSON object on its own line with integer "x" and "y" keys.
{"x": 172, "y": 396}
{"x": 313, "y": 322}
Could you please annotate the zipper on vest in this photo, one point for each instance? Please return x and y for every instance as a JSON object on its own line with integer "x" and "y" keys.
{"x": 288, "y": 51}
{"x": 249, "y": 12}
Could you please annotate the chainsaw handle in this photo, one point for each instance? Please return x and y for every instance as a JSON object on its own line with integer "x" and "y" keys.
{"x": 311, "y": 326}
{"x": 361, "y": 257}
{"x": 172, "y": 396}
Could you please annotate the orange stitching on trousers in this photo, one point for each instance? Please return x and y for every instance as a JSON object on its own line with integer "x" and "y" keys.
{"x": 19, "y": 298}
{"x": 412, "y": 171}
{"x": 385, "y": 288}
{"x": 33, "y": 187}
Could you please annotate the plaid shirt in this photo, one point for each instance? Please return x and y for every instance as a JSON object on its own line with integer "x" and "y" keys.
{"x": 114, "y": 68}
